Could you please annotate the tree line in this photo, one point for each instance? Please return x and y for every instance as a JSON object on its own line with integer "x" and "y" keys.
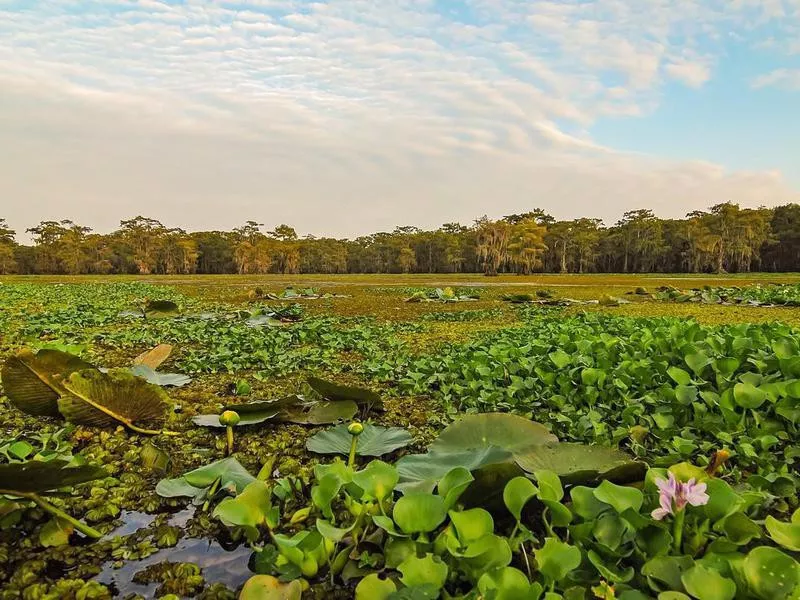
{"x": 725, "y": 238}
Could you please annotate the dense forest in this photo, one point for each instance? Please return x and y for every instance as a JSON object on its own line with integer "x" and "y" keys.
{"x": 726, "y": 238}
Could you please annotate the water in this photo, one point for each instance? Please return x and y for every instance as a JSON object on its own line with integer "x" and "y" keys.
{"x": 217, "y": 563}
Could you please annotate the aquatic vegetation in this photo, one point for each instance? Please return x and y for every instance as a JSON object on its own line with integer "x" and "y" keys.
{"x": 446, "y": 295}
{"x": 33, "y": 479}
{"x": 753, "y": 295}
{"x": 519, "y": 460}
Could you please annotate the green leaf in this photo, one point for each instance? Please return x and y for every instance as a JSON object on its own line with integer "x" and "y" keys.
{"x": 194, "y": 484}
{"x": 110, "y": 399}
{"x": 372, "y": 587}
{"x": 577, "y": 463}
{"x": 267, "y": 587}
{"x": 784, "y": 534}
{"x": 549, "y": 485}
{"x": 502, "y": 430}
{"x": 585, "y": 504}
{"x": 428, "y": 570}
{"x": 621, "y": 498}
{"x": 387, "y": 525}
{"x": 679, "y": 376}
{"x": 556, "y": 559}
{"x": 505, "y": 583}
{"x": 666, "y": 571}
{"x": 373, "y": 441}
{"x": 324, "y": 492}
{"x": 453, "y": 484}
{"x": 471, "y": 525}
{"x": 747, "y": 395}
{"x": 33, "y": 382}
{"x": 160, "y": 379}
{"x": 55, "y": 532}
{"x": 250, "y": 509}
{"x": 610, "y": 572}
{"x": 707, "y": 584}
{"x": 377, "y": 479}
{"x": 419, "y": 513}
{"x": 560, "y": 358}
{"x": 334, "y": 391}
{"x": 771, "y": 574}
{"x": 740, "y": 529}
{"x": 334, "y": 534}
{"x": 421, "y": 472}
{"x": 516, "y": 495}
{"x": 38, "y": 477}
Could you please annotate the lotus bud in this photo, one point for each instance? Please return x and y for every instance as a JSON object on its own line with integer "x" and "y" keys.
{"x": 229, "y": 418}
{"x": 355, "y": 429}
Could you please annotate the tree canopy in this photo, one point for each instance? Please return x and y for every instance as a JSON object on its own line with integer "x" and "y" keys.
{"x": 724, "y": 238}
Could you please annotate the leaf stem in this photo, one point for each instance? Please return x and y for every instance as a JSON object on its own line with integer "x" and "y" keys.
{"x": 124, "y": 420}
{"x": 56, "y": 512}
{"x": 677, "y": 530}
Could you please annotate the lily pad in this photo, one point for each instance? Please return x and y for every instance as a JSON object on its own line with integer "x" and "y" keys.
{"x": 113, "y": 398}
{"x": 507, "y": 431}
{"x": 34, "y": 382}
{"x": 36, "y": 476}
{"x": 228, "y": 472}
{"x": 373, "y": 441}
{"x": 160, "y": 379}
{"x": 334, "y": 391}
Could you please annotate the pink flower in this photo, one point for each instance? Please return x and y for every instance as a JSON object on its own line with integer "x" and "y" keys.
{"x": 674, "y": 496}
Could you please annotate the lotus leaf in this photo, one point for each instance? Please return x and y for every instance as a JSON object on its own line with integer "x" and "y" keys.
{"x": 374, "y": 440}
{"x": 38, "y": 477}
{"x": 34, "y": 382}
{"x": 113, "y": 398}
{"x": 225, "y": 474}
{"x": 161, "y": 379}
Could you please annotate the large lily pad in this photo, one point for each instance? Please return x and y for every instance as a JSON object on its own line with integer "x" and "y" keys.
{"x": 34, "y": 382}
{"x": 290, "y": 409}
{"x": 510, "y": 432}
{"x": 577, "y": 463}
{"x": 37, "y": 477}
{"x": 160, "y": 379}
{"x": 421, "y": 472}
{"x": 334, "y": 391}
{"x": 502, "y": 446}
{"x": 373, "y": 441}
{"x": 106, "y": 399}
{"x": 228, "y": 472}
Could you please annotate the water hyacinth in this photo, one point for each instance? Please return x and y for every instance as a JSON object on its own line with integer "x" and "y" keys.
{"x": 675, "y": 495}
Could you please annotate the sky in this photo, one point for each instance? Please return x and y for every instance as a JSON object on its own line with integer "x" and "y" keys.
{"x": 345, "y": 117}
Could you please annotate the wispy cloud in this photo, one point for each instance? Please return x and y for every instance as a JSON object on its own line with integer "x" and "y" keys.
{"x": 782, "y": 78}
{"x": 396, "y": 110}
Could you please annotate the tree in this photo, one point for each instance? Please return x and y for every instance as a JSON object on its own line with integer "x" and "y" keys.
{"x": 8, "y": 262}
{"x": 144, "y": 237}
{"x": 526, "y": 245}
{"x": 492, "y": 243}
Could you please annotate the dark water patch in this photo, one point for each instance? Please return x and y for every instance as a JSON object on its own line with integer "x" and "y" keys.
{"x": 132, "y": 521}
{"x": 218, "y": 566}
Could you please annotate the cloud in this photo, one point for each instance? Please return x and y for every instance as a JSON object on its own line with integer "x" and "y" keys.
{"x": 781, "y": 78}
{"x": 349, "y": 115}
